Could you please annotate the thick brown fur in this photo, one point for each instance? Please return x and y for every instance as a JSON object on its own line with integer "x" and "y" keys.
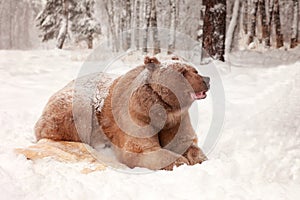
{"x": 176, "y": 141}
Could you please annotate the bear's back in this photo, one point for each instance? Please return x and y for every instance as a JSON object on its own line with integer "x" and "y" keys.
{"x": 69, "y": 113}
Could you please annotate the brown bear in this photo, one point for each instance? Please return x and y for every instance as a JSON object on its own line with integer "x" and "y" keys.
{"x": 142, "y": 114}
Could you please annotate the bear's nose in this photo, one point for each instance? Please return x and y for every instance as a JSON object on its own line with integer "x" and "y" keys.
{"x": 206, "y": 80}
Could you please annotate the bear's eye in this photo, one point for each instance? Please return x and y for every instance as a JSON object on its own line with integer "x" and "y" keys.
{"x": 195, "y": 71}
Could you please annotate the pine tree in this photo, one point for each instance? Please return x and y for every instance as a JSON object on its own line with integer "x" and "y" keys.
{"x": 84, "y": 25}
{"x": 53, "y": 21}
{"x": 60, "y": 18}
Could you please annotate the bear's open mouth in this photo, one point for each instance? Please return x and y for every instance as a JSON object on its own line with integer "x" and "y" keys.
{"x": 198, "y": 95}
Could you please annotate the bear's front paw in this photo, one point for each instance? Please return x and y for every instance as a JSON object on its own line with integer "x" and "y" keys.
{"x": 194, "y": 155}
{"x": 180, "y": 161}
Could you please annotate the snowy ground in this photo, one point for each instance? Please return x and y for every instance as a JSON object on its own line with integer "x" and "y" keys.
{"x": 257, "y": 156}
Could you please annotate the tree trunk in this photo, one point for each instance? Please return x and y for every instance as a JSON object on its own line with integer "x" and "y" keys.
{"x": 109, "y": 8}
{"x": 137, "y": 24}
{"x": 253, "y": 22}
{"x": 278, "y": 34}
{"x": 237, "y": 30}
{"x": 153, "y": 23}
{"x": 294, "y": 38}
{"x": 214, "y": 28}
{"x": 26, "y": 26}
{"x": 269, "y": 22}
{"x": 200, "y": 29}
{"x": 125, "y": 23}
{"x": 245, "y": 16}
{"x": 148, "y": 4}
{"x": 10, "y": 25}
{"x": 17, "y": 28}
{"x": 264, "y": 24}
{"x": 122, "y": 23}
{"x": 232, "y": 27}
{"x": 171, "y": 45}
{"x": 118, "y": 20}
{"x": 64, "y": 25}
{"x": 1, "y": 18}
{"x": 90, "y": 41}
{"x": 128, "y": 24}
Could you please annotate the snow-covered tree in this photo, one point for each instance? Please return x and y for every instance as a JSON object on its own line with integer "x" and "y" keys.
{"x": 53, "y": 21}
{"x": 84, "y": 25}
{"x": 17, "y": 29}
{"x": 214, "y": 28}
{"x": 60, "y": 17}
{"x": 232, "y": 27}
{"x": 275, "y": 22}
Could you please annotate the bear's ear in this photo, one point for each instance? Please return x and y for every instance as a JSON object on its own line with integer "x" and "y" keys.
{"x": 151, "y": 63}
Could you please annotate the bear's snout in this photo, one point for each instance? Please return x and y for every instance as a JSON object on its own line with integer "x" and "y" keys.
{"x": 206, "y": 79}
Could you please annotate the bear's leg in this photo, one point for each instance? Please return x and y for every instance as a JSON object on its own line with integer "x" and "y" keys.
{"x": 183, "y": 139}
{"x": 180, "y": 161}
{"x": 57, "y": 121}
{"x": 58, "y": 130}
{"x": 194, "y": 155}
{"x": 46, "y": 127}
{"x": 154, "y": 158}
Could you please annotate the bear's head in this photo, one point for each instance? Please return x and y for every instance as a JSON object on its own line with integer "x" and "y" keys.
{"x": 156, "y": 94}
{"x": 176, "y": 82}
